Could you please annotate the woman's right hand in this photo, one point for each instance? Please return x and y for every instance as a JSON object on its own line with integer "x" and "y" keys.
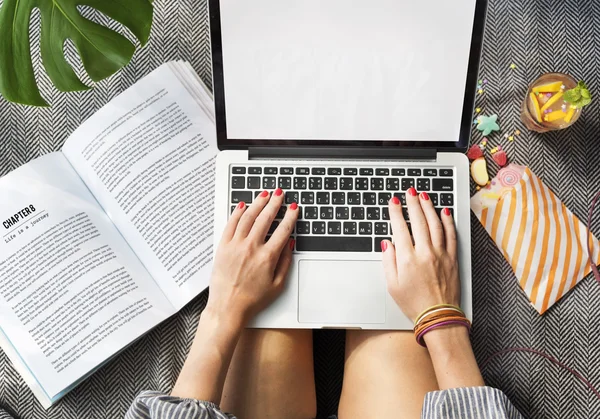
{"x": 425, "y": 273}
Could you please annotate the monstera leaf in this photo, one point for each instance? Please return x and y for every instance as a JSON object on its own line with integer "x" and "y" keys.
{"x": 103, "y": 52}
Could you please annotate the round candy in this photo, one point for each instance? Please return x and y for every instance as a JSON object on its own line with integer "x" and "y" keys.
{"x": 508, "y": 177}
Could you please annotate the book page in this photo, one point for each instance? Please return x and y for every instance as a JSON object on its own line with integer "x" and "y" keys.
{"x": 72, "y": 292}
{"x": 149, "y": 157}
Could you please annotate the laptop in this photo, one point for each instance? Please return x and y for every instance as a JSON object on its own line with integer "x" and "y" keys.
{"x": 344, "y": 104}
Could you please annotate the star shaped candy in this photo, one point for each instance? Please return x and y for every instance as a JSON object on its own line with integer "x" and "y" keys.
{"x": 487, "y": 124}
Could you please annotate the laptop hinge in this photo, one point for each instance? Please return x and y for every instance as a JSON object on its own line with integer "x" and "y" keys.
{"x": 342, "y": 153}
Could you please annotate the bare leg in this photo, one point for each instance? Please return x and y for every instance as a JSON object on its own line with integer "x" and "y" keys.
{"x": 272, "y": 376}
{"x": 386, "y": 375}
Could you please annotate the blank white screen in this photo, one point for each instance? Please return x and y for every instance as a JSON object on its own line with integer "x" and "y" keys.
{"x": 345, "y": 69}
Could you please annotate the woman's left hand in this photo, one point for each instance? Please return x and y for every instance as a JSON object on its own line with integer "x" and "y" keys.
{"x": 250, "y": 273}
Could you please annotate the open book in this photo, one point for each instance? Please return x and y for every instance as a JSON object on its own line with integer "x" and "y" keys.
{"x": 103, "y": 241}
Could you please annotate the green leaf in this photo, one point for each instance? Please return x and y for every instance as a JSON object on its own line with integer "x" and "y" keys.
{"x": 585, "y": 101}
{"x": 103, "y": 51}
{"x": 585, "y": 93}
{"x": 573, "y": 95}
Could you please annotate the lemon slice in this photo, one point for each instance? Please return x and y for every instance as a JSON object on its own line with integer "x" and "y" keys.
{"x": 548, "y": 88}
{"x": 536, "y": 107}
{"x": 554, "y": 116}
{"x": 570, "y": 114}
{"x": 552, "y": 101}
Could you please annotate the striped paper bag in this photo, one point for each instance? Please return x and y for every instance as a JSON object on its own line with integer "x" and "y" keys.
{"x": 544, "y": 243}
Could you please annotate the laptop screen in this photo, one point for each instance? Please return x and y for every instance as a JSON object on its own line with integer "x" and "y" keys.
{"x": 345, "y": 69}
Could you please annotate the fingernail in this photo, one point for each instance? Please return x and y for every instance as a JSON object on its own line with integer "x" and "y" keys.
{"x": 384, "y": 246}
{"x": 294, "y": 206}
{"x": 412, "y": 192}
{"x": 264, "y": 194}
{"x": 425, "y": 196}
{"x": 278, "y": 192}
{"x": 395, "y": 201}
{"x": 447, "y": 211}
{"x": 292, "y": 244}
{"x": 241, "y": 205}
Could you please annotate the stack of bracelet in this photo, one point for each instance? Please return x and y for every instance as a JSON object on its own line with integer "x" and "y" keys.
{"x": 439, "y": 316}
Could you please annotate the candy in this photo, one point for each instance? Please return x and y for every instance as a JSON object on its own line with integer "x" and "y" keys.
{"x": 479, "y": 171}
{"x": 488, "y": 124}
{"x": 474, "y": 152}
{"x": 552, "y": 101}
{"x": 535, "y": 106}
{"x": 513, "y": 66}
{"x": 500, "y": 158}
{"x": 550, "y": 87}
{"x": 478, "y": 110}
{"x": 480, "y": 91}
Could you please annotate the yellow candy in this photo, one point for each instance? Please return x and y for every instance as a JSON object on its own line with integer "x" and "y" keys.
{"x": 536, "y": 107}
{"x": 478, "y": 110}
{"x": 480, "y": 91}
{"x": 511, "y": 138}
{"x": 479, "y": 172}
{"x": 570, "y": 114}
{"x": 554, "y": 116}
{"x": 548, "y": 88}
{"x": 552, "y": 101}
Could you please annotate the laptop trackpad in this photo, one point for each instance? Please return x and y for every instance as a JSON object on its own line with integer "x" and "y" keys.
{"x": 341, "y": 292}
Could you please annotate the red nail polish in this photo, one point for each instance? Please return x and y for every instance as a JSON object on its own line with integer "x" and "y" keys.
{"x": 241, "y": 205}
{"x": 292, "y": 244}
{"x": 447, "y": 211}
{"x": 425, "y": 196}
{"x": 264, "y": 194}
{"x": 412, "y": 192}
{"x": 294, "y": 206}
{"x": 395, "y": 201}
{"x": 278, "y": 192}
{"x": 384, "y": 246}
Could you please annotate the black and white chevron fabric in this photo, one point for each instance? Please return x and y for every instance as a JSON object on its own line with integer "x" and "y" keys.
{"x": 535, "y": 35}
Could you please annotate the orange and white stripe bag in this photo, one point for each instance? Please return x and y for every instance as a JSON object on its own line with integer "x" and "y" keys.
{"x": 544, "y": 243}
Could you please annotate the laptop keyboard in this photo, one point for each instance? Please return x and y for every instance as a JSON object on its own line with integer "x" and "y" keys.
{"x": 342, "y": 209}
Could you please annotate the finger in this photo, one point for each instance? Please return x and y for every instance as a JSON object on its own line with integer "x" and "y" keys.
{"x": 436, "y": 231}
{"x": 234, "y": 219}
{"x": 248, "y": 219}
{"x": 282, "y": 233}
{"x": 267, "y": 215}
{"x": 420, "y": 229}
{"x": 284, "y": 263}
{"x": 390, "y": 268}
{"x": 399, "y": 227}
{"x": 450, "y": 233}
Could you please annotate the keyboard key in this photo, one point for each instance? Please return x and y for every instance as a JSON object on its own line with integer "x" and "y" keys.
{"x": 423, "y": 184}
{"x": 385, "y": 213}
{"x": 338, "y": 198}
{"x": 238, "y": 170}
{"x": 392, "y": 184}
{"x": 315, "y": 183}
{"x": 291, "y": 196}
{"x": 342, "y": 213}
{"x": 323, "y": 198}
{"x": 331, "y": 183}
{"x": 439, "y": 211}
{"x": 443, "y": 185}
{"x": 377, "y": 184}
{"x": 369, "y": 198}
{"x": 346, "y": 184}
{"x": 434, "y": 198}
{"x": 383, "y": 198}
{"x": 253, "y": 182}
{"x": 382, "y": 172}
{"x": 446, "y": 172}
{"x": 302, "y": 171}
{"x": 318, "y": 227}
{"x": 405, "y": 214}
{"x": 286, "y": 171}
{"x": 238, "y": 182}
{"x": 232, "y": 209}
{"x": 302, "y": 227}
{"x": 407, "y": 183}
{"x": 334, "y": 244}
{"x": 269, "y": 182}
{"x": 366, "y": 172}
{"x": 326, "y": 213}
{"x": 398, "y": 172}
{"x": 361, "y": 184}
{"x": 353, "y": 198}
{"x": 307, "y": 198}
{"x": 401, "y": 196}
{"x": 318, "y": 170}
{"x": 350, "y": 171}
{"x": 414, "y": 172}
{"x": 256, "y": 193}
{"x": 430, "y": 172}
{"x": 281, "y": 212}
{"x": 378, "y": 241}
{"x": 334, "y": 171}
{"x": 365, "y": 228}
{"x": 299, "y": 183}
{"x": 373, "y": 213}
{"x": 311, "y": 213}
{"x": 273, "y": 227}
{"x": 241, "y": 196}
{"x": 334, "y": 227}
{"x": 381, "y": 229}
{"x": 270, "y": 170}
{"x": 285, "y": 183}
{"x": 350, "y": 227}
{"x": 358, "y": 213}
{"x": 255, "y": 170}
{"x": 446, "y": 200}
